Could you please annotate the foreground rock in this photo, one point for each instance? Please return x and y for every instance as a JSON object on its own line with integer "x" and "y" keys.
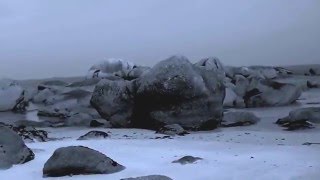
{"x": 172, "y": 92}
{"x": 94, "y": 135}
{"x": 12, "y": 149}
{"x": 233, "y": 119}
{"x": 12, "y": 97}
{"x": 187, "y": 160}
{"x": 151, "y": 177}
{"x": 301, "y": 118}
{"x": 75, "y": 160}
{"x": 172, "y": 129}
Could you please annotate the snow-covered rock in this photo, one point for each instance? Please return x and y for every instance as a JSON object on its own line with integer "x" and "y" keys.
{"x": 263, "y": 92}
{"x": 109, "y": 68}
{"x": 306, "y": 70}
{"x": 214, "y": 64}
{"x": 11, "y": 96}
{"x": 301, "y": 118}
{"x": 75, "y": 160}
{"x": 232, "y": 119}
{"x": 12, "y": 149}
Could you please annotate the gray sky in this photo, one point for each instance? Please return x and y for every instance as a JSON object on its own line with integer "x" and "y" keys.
{"x": 44, "y": 38}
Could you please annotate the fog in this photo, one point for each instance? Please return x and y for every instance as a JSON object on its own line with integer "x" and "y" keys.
{"x": 45, "y": 38}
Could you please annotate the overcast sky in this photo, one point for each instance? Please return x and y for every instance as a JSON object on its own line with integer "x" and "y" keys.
{"x": 44, "y": 38}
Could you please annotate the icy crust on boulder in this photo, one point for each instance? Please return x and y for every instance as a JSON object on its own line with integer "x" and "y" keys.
{"x": 11, "y": 96}
{"x": 172, "y": 92}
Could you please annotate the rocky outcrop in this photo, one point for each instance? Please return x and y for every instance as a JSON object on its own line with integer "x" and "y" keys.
{"x": 172, "y": 92}
{"x": 75, "y": 160}
{"x": 12, "y": 149}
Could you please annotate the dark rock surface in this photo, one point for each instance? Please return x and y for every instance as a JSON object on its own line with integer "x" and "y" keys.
{"x": 75, "y": 160}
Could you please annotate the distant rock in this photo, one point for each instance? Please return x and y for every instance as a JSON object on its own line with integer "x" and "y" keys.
{"x": 151, "y": 177}
{"x": 54, "y": 83}
{"x": 76, "y": 160}
{"x": 232, "y": 119}
{"x": 110, "y": 68}
{"x": 172, "y": 129}
{"x": 94, "y": 135}
{"x": 187, "y": 160}
{"x": 12, "y": 149}
{"x": 306, "y": 70}
{"x": 301, "y": 118}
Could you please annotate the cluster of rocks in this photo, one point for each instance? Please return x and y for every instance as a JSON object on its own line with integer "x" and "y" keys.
{"x": 28, "y": 133}
{"x": 174, "y": 91}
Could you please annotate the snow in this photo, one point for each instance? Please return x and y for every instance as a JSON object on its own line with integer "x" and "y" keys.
{"x": 263, "y": 151}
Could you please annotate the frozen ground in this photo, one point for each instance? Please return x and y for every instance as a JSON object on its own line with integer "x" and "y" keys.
{"x": 261, "y": 151}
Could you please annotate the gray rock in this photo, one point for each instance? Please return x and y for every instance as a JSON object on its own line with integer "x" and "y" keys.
{"x": 301, "y": 118}
{"x": 94, "y": 135}
{"x": 151, "y": 177}
{"x": 232, "y": 119}
{"x": 187, "y": 160}
{"x": 12, "y": 149}
{"x": 75, "y": 160}
{"x": 114, "y": 101}
{"x": 172, "y": 129}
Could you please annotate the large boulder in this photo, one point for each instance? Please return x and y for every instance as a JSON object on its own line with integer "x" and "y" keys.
{"x": 175, "y": 91}
{"x": 75, "y": 160}
{"x": 12, "y": 149}
{"x": 11, "y": 97}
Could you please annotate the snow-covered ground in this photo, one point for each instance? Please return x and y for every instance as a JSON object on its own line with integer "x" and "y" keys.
{"x": 261, "y": 151}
